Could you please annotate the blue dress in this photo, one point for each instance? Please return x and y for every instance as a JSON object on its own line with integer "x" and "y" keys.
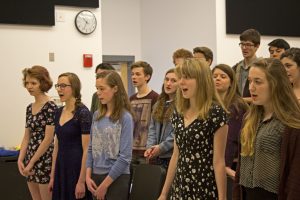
{"x": 69, "y": 156}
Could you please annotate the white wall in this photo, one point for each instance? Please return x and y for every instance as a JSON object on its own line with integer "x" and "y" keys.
{"x": 172, "y": 24}
{"x": 149, "y": 30}
{"x": 228, "y": 51}
{"x": 24, "y": 46}
{"x": 153, "y": 30}
{"x": 121, "y": 27}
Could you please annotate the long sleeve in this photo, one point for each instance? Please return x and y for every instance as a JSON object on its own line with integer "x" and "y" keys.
{"x": 125, "y": 153}
{"x": 152, "y": 134}
{"x": 168, "y": 143}
{"x": 234, "y": 129}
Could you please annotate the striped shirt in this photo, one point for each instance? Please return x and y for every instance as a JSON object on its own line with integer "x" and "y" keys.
{"x": 262, "y": 168}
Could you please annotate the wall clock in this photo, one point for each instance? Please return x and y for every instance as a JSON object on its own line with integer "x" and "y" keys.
{"x": 85, "y": 22}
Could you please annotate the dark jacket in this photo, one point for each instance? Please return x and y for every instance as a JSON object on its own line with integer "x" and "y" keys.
{"x": 289, "y": 184}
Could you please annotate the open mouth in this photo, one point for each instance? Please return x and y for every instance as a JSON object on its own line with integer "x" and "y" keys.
{"x": 184, "y": 90}
{"x": 253, "y": 96}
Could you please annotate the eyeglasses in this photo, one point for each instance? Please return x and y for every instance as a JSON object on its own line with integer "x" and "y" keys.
{"x": 246, "y": 45}
{"x": 61, "y": 86}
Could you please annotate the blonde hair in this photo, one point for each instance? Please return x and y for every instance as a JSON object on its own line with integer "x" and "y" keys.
{"x": 206, "y": 93}
{"x": 283, "y": 101}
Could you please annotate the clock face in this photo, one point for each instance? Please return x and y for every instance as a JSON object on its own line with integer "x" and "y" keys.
{"x": 85, "y": 22}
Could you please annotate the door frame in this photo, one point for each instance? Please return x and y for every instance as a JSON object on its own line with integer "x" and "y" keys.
{"x": 122, "y": 59}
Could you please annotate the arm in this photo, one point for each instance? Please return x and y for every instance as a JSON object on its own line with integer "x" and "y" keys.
{"x": 23, "y": 150}
{"x": 152, "y": 138}
{"x": 170, "y": 174}
{"x": 48, "y": 139}
{"x": 54, "y": 156}
{"x": 80, "y": 186}
{"x": 91, "y": 185}
{"x": 234, "y": 129}
{"x": 168, "y": 143}
{"x": 219, "y": 160}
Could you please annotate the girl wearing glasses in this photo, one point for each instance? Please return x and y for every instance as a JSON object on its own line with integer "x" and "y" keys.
{"x": 110, "y": 148}
{"x": 72, "y": 129}
{"x": 35, "y": 157}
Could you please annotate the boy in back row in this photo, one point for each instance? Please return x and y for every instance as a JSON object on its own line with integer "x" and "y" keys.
{"x": 142, "y": 103}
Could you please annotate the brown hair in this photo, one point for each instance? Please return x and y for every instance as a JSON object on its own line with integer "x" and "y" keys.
{"x": 159, "y": 114}
{"x": 251, "y": 35}
{"x": 120, "y": 99}
{"x": 146, "y": 67}
{"x": 207, "y": 52}
{"x": 182, "y": 53}
{"x": 233, "y": 96}
{"x": 76, "y": 87}
{"x": 41, "y": 74}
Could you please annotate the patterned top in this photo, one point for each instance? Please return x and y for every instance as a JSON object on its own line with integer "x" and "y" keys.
{"x": 262, "y": 168}
{"x": 110, "y": 147}
{"x": 142, "y": 109}
{"x": 195, "y": 178}
{"x": 37, "y": 125}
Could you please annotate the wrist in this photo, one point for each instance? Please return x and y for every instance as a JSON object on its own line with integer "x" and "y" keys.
{"x": 105, "y": 185}
{"x": 81, "y": 181}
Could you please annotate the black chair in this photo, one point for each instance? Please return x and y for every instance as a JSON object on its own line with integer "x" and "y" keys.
{"x": 147, "y": 182}
{"x": 13, "y": 186}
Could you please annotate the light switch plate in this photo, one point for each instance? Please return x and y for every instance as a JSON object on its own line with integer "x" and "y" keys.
{"x": 51, "y": 57}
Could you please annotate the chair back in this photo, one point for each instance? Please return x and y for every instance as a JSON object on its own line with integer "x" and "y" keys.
{"x": 147, "y": 182}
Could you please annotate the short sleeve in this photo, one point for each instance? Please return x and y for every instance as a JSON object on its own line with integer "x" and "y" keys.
{"x": 219, "y": 117}
{"x": 50, "y": 113}
{"x": 27, "y": 116}
{"x": 85, "y": 119}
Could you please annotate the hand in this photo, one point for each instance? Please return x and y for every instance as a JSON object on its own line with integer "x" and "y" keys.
{"x": 230, "y": 172}
{"x": 152, "y": 152}
{"x": 80, "y": 190}
{"x": 147, "y": 153}
{"x": 101, "y": 192}
{"x": 155, "y": 151}
{"x": 50, "y": 185}
{"x": 21, "y": 167}
{"x": 92, "y": 187}
{"x": 28, "y": 170}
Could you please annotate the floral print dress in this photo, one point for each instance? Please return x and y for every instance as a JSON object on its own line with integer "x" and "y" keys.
{"x": 195, "y": 178}
{"x": 37, "y": 125}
